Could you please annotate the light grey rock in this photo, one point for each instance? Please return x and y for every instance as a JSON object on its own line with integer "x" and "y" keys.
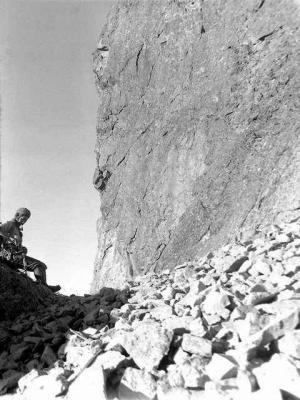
{"x": 196, "y": 345}
{"x": 221, "y": 367}
{"x": 168, "y": 293}
{"x": 135, "y": 381}
{"x": 215, "y": 303}
{"x": 166, "y": 392}
{"x": 110, "y": 360}
{"x": 279, "y": 373}
{"x": 89, "y": 384}
{"x": 289, "y": 344}
{"x": 193, "y": 373}
{"x": 226, "y": 388}
{"x": 181, "y": 356}
{"x": 162, "y": 312}
{"x": 174, "y": 376}
{"x": 148, "y": 344}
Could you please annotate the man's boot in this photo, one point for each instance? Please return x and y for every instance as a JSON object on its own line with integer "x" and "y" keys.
{"x": 54, "y": 289}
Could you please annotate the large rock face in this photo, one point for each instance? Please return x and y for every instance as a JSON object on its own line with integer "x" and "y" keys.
{"x": 198, "y": 135}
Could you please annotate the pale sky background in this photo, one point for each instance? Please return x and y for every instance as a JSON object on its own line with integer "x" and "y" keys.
{"x": 49, "y": 103}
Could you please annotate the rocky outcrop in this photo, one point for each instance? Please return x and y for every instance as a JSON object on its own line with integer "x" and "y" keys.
{"x": 37, "y": 341}
{"x": 19, "y": 293}
{"x": 198, "y": 132}
{"x": 225, "y": 326}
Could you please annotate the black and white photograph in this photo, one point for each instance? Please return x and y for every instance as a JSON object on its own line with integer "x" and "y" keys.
{"x": 150, "y": 199}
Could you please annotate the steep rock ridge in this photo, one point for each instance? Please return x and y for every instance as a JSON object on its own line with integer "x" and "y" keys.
{"x": 197, "y": 134}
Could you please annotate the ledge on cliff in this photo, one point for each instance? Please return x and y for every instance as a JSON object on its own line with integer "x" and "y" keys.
{"x": 19, "y": 293}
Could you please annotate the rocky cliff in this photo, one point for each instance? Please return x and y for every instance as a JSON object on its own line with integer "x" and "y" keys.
{"x": 197, "y": 133}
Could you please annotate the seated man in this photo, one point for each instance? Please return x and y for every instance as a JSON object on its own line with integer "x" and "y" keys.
{"x": 13, "y": 251}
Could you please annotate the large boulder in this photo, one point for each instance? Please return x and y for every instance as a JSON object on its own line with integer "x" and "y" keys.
{"x": 19, "y": 293}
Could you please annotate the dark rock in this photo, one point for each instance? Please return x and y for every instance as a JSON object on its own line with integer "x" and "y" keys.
{"x": 19, "y": 294}
{"x": 48, "y": 357}
{"x": 10, "y": 382}
{"x": 19, "y": 352}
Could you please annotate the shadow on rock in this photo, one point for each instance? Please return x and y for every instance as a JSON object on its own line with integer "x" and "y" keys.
{"x": 65, "y": 332}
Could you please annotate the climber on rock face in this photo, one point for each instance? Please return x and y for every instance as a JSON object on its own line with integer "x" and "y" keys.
{"x": 11, "y": 240}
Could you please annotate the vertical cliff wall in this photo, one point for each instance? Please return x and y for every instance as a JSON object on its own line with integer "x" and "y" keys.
{"x": 198, "y": 128}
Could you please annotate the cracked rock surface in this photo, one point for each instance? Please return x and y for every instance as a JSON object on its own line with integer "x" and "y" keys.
{"x": 197, "y": 125}
{"x": 219, "y": 327}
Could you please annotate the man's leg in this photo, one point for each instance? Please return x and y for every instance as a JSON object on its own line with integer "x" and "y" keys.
{"x": 39, "y": 270}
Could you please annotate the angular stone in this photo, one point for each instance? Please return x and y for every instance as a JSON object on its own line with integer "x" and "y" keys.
{"x": 148, "y": 344}
{"x": 26, "y": 380}
{"x": 221, "y": 367}
{"x": 162, "y": 312}
{"x": 246, "y": 381}
{"x": 91, "y": 317}
{"x": 290, "y": 344}
{"x": 19, "y": 352}
{"x": 260, "y": 267}
{"x": 177, "y": 325}
{"x": 196, "y": 345}
{"x": 90, "y": 331}
{"x": 48, "y": 357}
{"x": 168, "y": 293}
{"x": 32, "y": 339}
{"x": 225, "y": 389}
{"x": 7, "y": 362}
{"x": 76, "y": 354}
{"x": 212, "y": 319}
{"x": 195, "y": 294}
{"x": 110, "y": 360}
{"x": 114, "y": 339}
{"x": 135, "y": 381}
{"x": 10, "y": 382}
{"x": 215, "y": 303}
{"x": 33, "y": 364}
{"x": 233, "y": 265}
{"x": 181, "y": 356}
{"x": 279, "y": 373}
{"x": 193, "y": 374}
{"x": 286, "y": 319}
{"x": 166, "y": 392}
{"x": 256, "y": 298}
{"x": 174, "y": 376}
{"x": 292, "y": 265}
{"x": 197, "y": 328}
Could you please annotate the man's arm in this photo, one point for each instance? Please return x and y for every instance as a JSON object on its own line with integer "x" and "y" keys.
{"x": 7, "y": 231}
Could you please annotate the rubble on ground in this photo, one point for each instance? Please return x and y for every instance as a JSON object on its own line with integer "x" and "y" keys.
{"x": 226, "y": 326}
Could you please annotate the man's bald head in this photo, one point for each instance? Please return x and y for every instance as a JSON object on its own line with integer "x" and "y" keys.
{"x": 22, "y": 215}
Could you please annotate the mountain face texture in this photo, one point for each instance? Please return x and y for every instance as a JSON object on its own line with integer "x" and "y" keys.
{"x": 197, "y": 129}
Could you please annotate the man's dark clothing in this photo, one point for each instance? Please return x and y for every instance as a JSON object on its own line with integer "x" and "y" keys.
{"x": 11, "y": 229}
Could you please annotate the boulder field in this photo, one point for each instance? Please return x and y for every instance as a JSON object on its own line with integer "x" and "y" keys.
{"x": 223, "y": 326}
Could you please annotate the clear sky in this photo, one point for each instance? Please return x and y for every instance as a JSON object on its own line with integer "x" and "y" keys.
{"x": 49, "y": 102}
